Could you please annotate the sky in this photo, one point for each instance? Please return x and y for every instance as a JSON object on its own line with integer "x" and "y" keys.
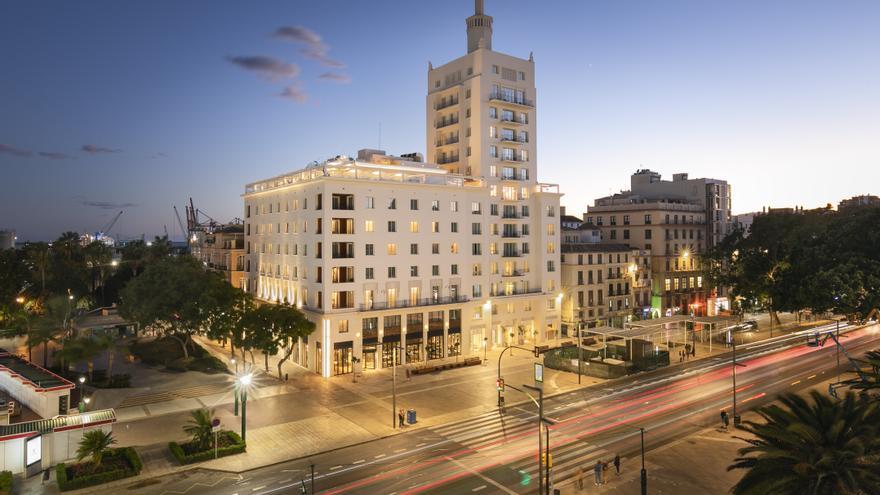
{"x": 110, "y": 106}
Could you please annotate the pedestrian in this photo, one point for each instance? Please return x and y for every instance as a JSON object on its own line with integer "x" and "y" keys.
{"x": 604, "y": 473}
{"x": 579, "y": 479}
{"x": 617, "y": 464}
{"x": 400, "y": 417}
{"x": 725, "y": 420}
{"x": 597, "y": 472}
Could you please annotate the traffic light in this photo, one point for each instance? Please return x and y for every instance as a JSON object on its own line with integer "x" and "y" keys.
{"x": 537, "y": 352}
{"x": 499, "y": 384}
{"x": 544, "y": 456}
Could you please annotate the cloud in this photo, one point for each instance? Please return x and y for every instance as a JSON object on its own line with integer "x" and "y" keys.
{"x": 12, "y": 150}
{"x": 93, "y": 149}
{"x": 159, "y": 155}
{"x": 55, "y": 155}
{"x": 335, "y": 77}
{"x": 269, "y": 67}
{"x": 294, "y": 92}
{"x": 314, "y": 48}
{"x": 106, "y": 205}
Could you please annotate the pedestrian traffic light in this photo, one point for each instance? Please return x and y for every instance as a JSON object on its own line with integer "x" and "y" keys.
{"x": 544, "y": 456}
{"x": 499, "y": 384}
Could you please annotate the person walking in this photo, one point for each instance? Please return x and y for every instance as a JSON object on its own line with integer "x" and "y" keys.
{"x": 597, "y": 472}
{"x": 400, "y": 417}
{"x": 579, "y": 479}
{"x": 604, "y": 473}
{"x": 617, "y": 464}
{"x": 725, "y": 420}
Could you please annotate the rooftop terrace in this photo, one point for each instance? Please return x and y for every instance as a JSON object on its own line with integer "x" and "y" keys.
{"x": 31, "y": 374}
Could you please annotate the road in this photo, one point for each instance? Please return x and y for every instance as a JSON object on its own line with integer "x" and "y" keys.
{"x": 497, "y": 453}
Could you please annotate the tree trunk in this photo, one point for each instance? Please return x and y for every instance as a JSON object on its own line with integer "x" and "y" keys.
{"x": 253, "y": 361}
{"x": 266, "y": 360}
{"x": 45, "y": 354}
{"x": 182, "y": 343}
{"x": 30, "y": 348}
{"x": 287, "y": 352}
{"x": 91, "y": 367}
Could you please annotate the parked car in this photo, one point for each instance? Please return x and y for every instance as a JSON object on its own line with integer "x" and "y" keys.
{"x": 751, "y": 324}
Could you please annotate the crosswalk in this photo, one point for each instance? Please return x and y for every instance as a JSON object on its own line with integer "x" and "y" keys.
{"x": 493, "y": 431}
{"x": 180, "y": 393}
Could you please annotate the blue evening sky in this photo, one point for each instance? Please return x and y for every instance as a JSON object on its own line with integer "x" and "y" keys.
{"x": 108, "y": 105}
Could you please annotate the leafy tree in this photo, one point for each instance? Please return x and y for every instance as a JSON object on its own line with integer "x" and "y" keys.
{"x": 199, "y": 427}
{"x": 290, "y": 326}
{"x": 93, "y": 444}
{"x": 174, "y": 297}
{"x": 85, "y": 350}
{"x": 823, "y": 447}
{"x": 97, "y": 257}
{"x": 53, "y": 324}
{"x": 39, "y": 257}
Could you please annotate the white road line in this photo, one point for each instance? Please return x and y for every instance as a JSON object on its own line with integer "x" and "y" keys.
{"x": 258, "y": 488}
{"x": 421, "y": 444}
{"x": 379, "y": 456}
{"x": 478, "y": 488}
{"x": 359, "y": 461}
{"x": 399, "y": 451}
{"x": 288, "y": 480}
{"x": 335, "y": 468}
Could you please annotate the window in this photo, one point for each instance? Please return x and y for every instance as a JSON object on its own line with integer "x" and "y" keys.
{"x": 369, "y": 249}
{"x": 453, "y": 248}
{"x": 414, "y": 271}
{"x": 368, "y": 226}
{"x": 435, "y": 227}
{"x": 522, "y": 76}
{"x": 493, "y": 113}
{"x": 392, "y": 204}
{"x": 413, "y": 204}
{"x": 493, "y": 210}
{"x": 453, "y": 206}
{"x": 435, "y": 270}
{"x": 494, "y": 69}
{"x": 392, "y": 226}
{"x": 392, "y": 272}
{"x": 435, "y": 205}
{"x": 413, "y": 249}
{"x": 477, "y": 291}
{"x": 453, "y": 269}
{"x": 476, "y": 249}
{"x": 368, "y": 273}
{"x": 475, "y": 208}
{"x": 626, "y": 219}
{"x": 551, "y": 266}
{"x": 476, "y": 228}
{"x": 626, "y": 233}
{"x": 453, "y": 227}
{"x": 648, "y": 219}
{"x": 647, "y": 233}
{"x": 414, "y": 227}
{"x": 371, "y": 202}
{"x": 319, "y": 201}
{"x": 493, "y": 151}
{"x": 392, "y": 248}
{"x": 435, "y": 248}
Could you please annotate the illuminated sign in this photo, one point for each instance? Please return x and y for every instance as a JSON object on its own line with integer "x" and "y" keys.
{"x": 33, "y": 450}
{"x": 539, "y": 372}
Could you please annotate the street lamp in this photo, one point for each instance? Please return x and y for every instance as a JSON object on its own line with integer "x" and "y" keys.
{"x": 235, "y": 363}
{"x": 244, "y": 382}
{"x": 19, "y": 300}
{"x": 87, "y": 400}
{"x": 81, "y": 380}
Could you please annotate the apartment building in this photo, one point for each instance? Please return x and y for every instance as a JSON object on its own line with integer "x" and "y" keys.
{"x": 603, "y": 284}
{"x": 222, "y": 250}
{"x": 401, "y": 260}
{"x": 674, "y": 233}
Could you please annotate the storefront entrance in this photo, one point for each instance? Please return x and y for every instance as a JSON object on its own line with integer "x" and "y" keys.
{"x": 342, "y": 353}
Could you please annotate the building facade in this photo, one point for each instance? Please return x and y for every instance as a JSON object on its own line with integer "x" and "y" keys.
{"x": 397, "y": 260}
{"x": 222, "y": 250}
{"x": 673, "y": 234}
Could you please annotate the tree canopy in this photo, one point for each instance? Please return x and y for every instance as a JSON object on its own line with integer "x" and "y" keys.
{"x": 822, "y": 260}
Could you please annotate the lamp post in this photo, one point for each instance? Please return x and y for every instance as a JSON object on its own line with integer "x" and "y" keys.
{"x": 580, "y": 351}
{"x": 244, "y": 382}
{"x": 86, "y": 401}
{"x": 644, "y": 474}
{"x": 81, "y": 381}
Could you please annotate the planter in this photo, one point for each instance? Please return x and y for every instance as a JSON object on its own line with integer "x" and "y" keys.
{"x": 230, "y": 444}
{"x": 116, "y": 464}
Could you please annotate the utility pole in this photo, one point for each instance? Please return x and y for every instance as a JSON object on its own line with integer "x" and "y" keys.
{"x": 644, "y": 471}
{"x": 541, "y": 488}
{"x": 838, "y": 349}
{"x": 394, "y": 387}
{"x": 312, "y": 467}
{"x": 735, "y": 416}
{"x": 548, "y": 458}
{"x": 580, "y": 351}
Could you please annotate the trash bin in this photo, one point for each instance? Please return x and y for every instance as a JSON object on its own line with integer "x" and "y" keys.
{"x": 411, "y": 416}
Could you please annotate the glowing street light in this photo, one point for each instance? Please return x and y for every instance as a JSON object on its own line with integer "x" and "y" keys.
{"x": 19, "y": 300}
{"x": 244, "y": 382}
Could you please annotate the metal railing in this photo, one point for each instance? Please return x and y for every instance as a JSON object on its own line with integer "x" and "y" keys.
{"x": 409, "y": 303}
{"x": 516, "y": 101}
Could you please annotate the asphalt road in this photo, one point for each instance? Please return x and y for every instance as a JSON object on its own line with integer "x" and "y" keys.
{"x": 497, "y": 453}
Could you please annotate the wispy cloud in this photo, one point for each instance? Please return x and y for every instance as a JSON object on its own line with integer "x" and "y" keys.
{"x": 56, "y": 155}
{"x": 314, "y": 48}
{"x": 294, "y": 92}
{"x": 94, "y": 149}
{"x": 106, "y": 205}
{"x": 269, "y": 67}
{"x": 12, "y": 150}
{"x": 335, "y": 77}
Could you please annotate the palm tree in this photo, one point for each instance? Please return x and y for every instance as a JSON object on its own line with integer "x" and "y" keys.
{"x": 868, "y": 378}
{"x": 199, "y": 427}
{"x": 40, "y": 256}
{"x": 52, "y": 324}
{"x": 821, "y": 448}
{"x": 85, "y": 350}
{"x": 93, "y": 444}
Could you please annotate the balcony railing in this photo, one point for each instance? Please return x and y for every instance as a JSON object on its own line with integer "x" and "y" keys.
{"x": 514, "y": 121}
{"x": 445, "y": 122}
{"x": 446, "y": 104}
{"x": 450, "y": 159}
{"x": 510, "y": 214}
{"x": 511, "y": 254}
{"x": 447, "y": 141}
{"x": 511, "y": 158}
{"x": 518, "y": 292}
{"x": 504, "y": 139}
{"x": 516, "y": 101}
{"x": 514, "y": 273}
{"x": 408, "y": 303}
{"x": 510, "y": 234}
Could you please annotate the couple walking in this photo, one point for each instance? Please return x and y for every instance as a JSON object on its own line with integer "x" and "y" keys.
{"x": 599, "y": 470}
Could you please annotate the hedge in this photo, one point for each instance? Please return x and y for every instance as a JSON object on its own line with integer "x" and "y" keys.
{"x": 5, "y": 482}
{"x": 130, "y": 455}
{"x": 238, "y": 447}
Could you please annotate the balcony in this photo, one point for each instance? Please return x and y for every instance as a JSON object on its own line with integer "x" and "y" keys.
{"x": 406, "y": 303}
{"x": 514, "y": 121}
{"x": 521, "y": 102}
{"x": 519, "y": 292}
{"x": 445, "y": 123}
{"x": 446, "y": 104}
{"x": 449, "y": 159}
{"x": 513, "y": 140}
{"x": 447, "y": 141}
{"x": 510, "y": 214}
{"x": 511, "y": 234}
{"x": 513, "y": 273}
{"x": 511, "y": 159}
{"x": 511, "y": 254}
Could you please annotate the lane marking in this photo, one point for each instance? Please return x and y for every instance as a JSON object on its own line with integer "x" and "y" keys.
{"x": 379, "y": 456}
{"x": 359, "y": 461}
{"x": 288, "y": 480}
{"x": 399, "y": 451}
{"x": 478, "y": 488}
{"x": 795, "y": 383}
{"x": 811, "y": 377}
{"x": 421, "y": 444}
{"x": 335, "y": 468}
{"x": 258, "y": 488}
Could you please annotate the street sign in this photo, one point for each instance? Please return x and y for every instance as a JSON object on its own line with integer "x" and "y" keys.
{"x": 539, "y": 372}
{"x": 215, "y": 425}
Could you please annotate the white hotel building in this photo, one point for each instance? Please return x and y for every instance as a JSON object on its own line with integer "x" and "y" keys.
{"x": 386, "y": 252}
